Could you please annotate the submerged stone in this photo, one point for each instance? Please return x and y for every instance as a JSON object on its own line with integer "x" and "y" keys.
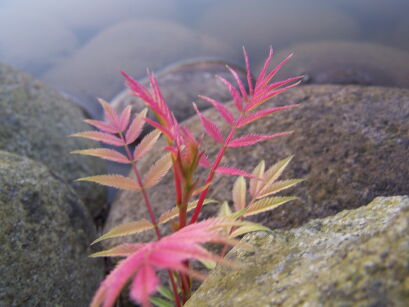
{"x": 94, "y": 70}
{"x": 355, "y": 258}
{"x": 259, "y": 24}
{"x": 45, "y": 232}
{"x": 337, "y": 62}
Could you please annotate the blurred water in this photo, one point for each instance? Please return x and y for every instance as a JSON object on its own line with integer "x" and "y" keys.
{"x": 79, "y": 46}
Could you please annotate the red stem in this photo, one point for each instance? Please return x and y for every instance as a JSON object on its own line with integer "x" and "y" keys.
{"x": 216, "y": 163}
{"x": 152, "y": 217}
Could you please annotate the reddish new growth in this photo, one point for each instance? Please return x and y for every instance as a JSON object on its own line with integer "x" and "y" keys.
{"x": 184, "y": 154}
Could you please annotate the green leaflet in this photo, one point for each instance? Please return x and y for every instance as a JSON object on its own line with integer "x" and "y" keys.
{"x": 255, "y": 184}
{"x": 224, "y": 210}
{"x": 209, "y": 264}
{"x": 266, "y": 204}
{"x": 165, "y": 292}
{"x": 122, "y": 250}
{"x": 239, "y": 193}
{"x": 126, "y": 229}
{"x": 278, "y": 186}
{"x": 248, "y": 227}
{"x": 160, "y": 302}
{"x": 272, "y": 174}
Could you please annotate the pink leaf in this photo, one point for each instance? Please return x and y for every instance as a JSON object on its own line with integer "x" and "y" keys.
{"x": 259, "y": 114}
{"x": 233, "y": 92}
{"x": 233, "y": 171}
{"x": 116, "y": 280}
{"x": 204, "y": 161}
{"x": 249, "y": 81}
{"x": 260, "y": 100}
{"x": 168, "y": 253}
{"x": 110, "y": 114}
{"x": 224, "y": 112}
{"x": 114, "y": 181}
{"x": 146, "y": 144}
{"x": 100, "y": 136}
{"x": 239, "y": 83}
{"x": 135, "y": 129}
{"x": 171, "y": 149}
{"x": 101, "y": 125}
{"x": 264, "y": 81}
{"x": 138, "y": 89}
{"x": 145, "y": 283}
{"x": 265, "y": 66}
{"x": 124, "y": 118}
{"x": 104, "y": 153}
{"x": 270, "y": 88}
{"x": 158, "y": 126}
{"x": 253, "y": 139}
{"x": 157, "y": 171}
{"x": 210, "y": 127}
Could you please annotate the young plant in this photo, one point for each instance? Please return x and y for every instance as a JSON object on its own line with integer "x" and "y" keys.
{"x": 185, "y": 154}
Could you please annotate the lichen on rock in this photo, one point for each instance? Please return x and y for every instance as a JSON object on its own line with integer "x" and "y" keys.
{"x": 355, "y": 258}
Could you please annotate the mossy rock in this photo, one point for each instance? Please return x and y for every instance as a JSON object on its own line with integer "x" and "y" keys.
{"x": 355, "y": 258}
{"x": 350, "y": 143}
{"x": 35, "y": 121}
{"x": 45, "y": 232}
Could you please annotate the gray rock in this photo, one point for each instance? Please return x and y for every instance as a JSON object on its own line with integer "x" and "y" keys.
{"x": 35, "y": 121}
{"x": 45, "y": 232}
{"x": 337, "y": 62}
{"x": 350, "y": 143}
{"x": 355, "y": 258}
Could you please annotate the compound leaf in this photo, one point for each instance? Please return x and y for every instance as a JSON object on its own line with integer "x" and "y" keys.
{"x": 126, "y": 229}
{"x": 267, "y": 204}
{"x": 114, "y": 181}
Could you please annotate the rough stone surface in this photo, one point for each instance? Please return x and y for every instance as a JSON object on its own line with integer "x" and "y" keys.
{"x": 45, "y": 232}
{"x": 337, "y": 62}
{"x": 181, "y": 83}
{"x": 35, "y": 121}
{"x": 350, "y": 143}
{"x": 355, "y": 258}
{"x": 94, "y": 70}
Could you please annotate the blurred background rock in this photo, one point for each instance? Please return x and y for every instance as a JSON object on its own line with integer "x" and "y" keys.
{"x": 79, "y": 47}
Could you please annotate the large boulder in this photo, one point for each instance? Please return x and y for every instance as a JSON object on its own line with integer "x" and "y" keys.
{"x": 355, "y": 258}
{"x": 45, "y": 232}
{"x": 259, "y": 24}
{"x": 350, "y": 144}
{"x": 338, "y": 62}
{"x": 35, "y": 121}
{"x": 181, "y": 84}
{"x": 94, "y": 70}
